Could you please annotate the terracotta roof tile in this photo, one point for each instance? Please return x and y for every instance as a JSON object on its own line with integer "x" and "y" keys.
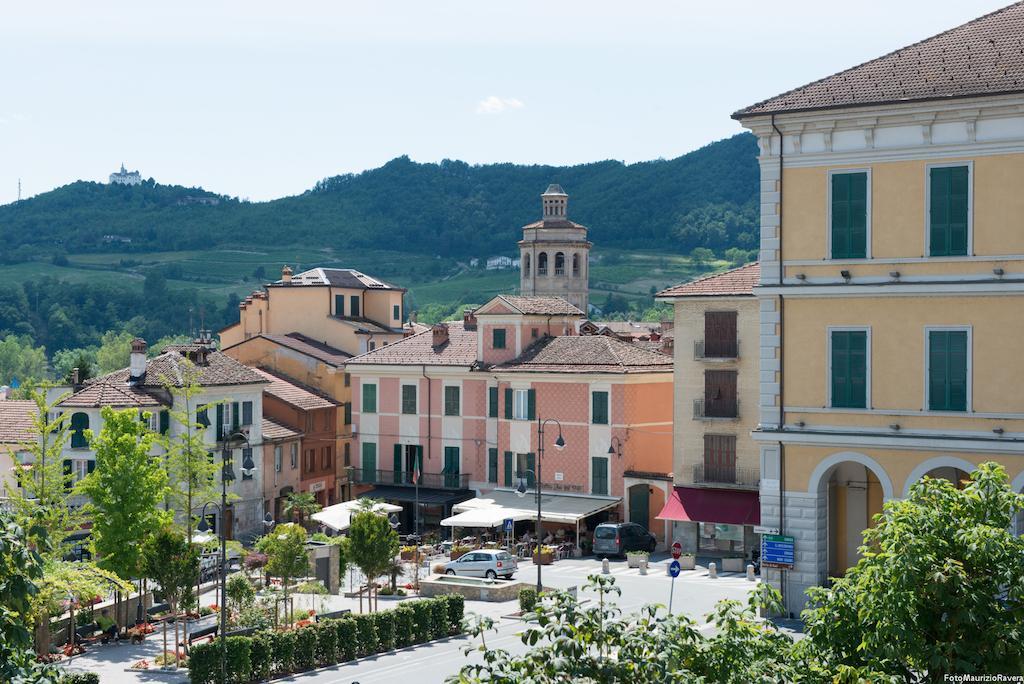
{"x": 736, "y": 282}
{"x": 587, "y": 354}
{"x": 167, "y": 368}
{"x": 271, "y": 429}
{"x": 16, "y": 421}
{"x": 982, "y": 57}
{"x": 537, "y": 305}
{"x": 293, "y": 393}
{"x": 115, "y": 394}
{"x": 418, "y": 349}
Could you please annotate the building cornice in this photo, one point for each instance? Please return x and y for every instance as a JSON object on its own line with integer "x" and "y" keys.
{"x": 908, "y": 442}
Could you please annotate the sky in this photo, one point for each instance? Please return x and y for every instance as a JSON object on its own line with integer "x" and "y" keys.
{"x": 260, "y": 100}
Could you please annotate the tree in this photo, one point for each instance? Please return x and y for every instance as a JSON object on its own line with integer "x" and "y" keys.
{"x": 124, "y": 490}
{"x": 372, "y": 544}
{"x": 172, "y": 562}
{"x": 287, "y": 557}
{"x": 114, "y": 352}
{"x": 302, "y": 503}
{"x": 84, "y": 359}
{"x": 240, "y": 592}
{"x": 20, "y": 360}
{"x": 701, "y": 256}
{"x": 737, "y": 256}
{"x": 939, "y": 587}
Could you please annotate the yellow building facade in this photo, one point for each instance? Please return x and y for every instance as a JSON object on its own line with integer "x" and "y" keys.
{"x": 891, "y": 286}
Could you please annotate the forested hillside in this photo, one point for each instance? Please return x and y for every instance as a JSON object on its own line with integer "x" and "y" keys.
{"x": 703, "y": 199}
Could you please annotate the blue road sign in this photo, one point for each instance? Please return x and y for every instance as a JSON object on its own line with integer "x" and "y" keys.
{"x": 508, "y": 525}
{"x": 777, "y": 550}
{"x": 674, "y": 569}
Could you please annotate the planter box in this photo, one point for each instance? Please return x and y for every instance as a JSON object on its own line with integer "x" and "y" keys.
{"x": 408, "y": 555}
{"x": 634, "y": 561}
{"x": 732, "y": 565}
{"x": 458, "y": 554}
{"x": 688, "y": 562}
{"x": 545, "y": 559}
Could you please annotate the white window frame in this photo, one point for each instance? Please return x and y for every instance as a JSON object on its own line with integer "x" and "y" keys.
{"x": 867, "y": 370}
{"x": 79, "y": 468}
{"x": 520, "y": 404}
{"x": 928, "y": 209}
{"x": 828, "y": 215}
{"x": 278, "y": 457}
{"x": 969, "y": 408}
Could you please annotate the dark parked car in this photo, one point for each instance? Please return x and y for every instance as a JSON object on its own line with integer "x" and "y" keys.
{"x": 616, "y": 539}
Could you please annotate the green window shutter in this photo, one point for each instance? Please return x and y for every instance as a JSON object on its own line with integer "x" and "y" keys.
{"x": 508, "y": 403}
{"x": 492, "y": 465}
{"x": 67, "y": 474}
{"x": 246, "y": 413}
{"x": 849, "y": 369}
{"x": 220, "y": 422}
{"x": 947, "y": 211}
{"x": 498, "y": 338}
{"x": 531, "y": 404}
{"x": 492, "y": 400}
{"x": 396, "y": 312}
{"x": 599, "y": 475}
{"x": 339, "y": 305}
{"x": 369, "y": 462}
{"x": 348, "y": 413}
{"x": 947, "y": 370}
{"x": 409, "y": 399}
{"x": 90, "y": 466}
{"x": 203, "y": 417}
{"x": 369, "y": 398}
{"x": 165, "y": 421}
{"x": 398, "y": 463}
{"x": 531, "y": 464}
{"x": 236, "y": 413}
{"x": 451, "y": 401}
{"x": 353, "y": 310}
{"x": 599, "y": 400}
{"x": 508, "y": 468}
{"x": 451, "y": 467}
{"x": 849, "y": 215}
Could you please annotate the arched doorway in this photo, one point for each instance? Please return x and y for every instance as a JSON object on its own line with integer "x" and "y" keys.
{"x": 854, "y": 498}
{"x": 951, "y": 468}
{"x": 640, "y": 505}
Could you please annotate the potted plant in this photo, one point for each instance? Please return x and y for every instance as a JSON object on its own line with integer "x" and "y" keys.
{"x": 634, "y": 558}
{"x": 545, "y": 557}
{"x": 407, "y": 553}
{"x": 460, "y": 550}
{"x": 732, "y": 564}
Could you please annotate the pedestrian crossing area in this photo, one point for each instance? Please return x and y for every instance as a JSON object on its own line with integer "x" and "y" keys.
{"x": 567, "y": 569}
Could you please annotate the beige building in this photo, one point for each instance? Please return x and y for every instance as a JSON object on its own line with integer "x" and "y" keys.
{"x": 716, "y": 463}
{"x": 554, "y": 254}
{"x": 891, "y": 285}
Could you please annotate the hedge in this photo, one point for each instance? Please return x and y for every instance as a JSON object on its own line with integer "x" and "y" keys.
{"x": 275, "y": 654}
{"x": 80, "y": 678}
{"x": 527, "y": 599}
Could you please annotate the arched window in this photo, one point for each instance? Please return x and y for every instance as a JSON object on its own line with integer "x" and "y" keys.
{"x": 526, "y": 265}
{"x": 79, "y": 424}
{"x": 575, "y": 265}
{"x": 559, "y": 264}
{"x": 542, "y": 264}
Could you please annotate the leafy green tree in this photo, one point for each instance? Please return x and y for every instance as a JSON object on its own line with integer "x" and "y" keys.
{"x": 125, "y": 491}
{"x": 173, "y": 562}
{"x": 20, "y": 359}
{"x": 301, "y": 504}
{"x": 372, "y": 544}
{"x": 240, "y": 592}
{"x": 287, "y": 558}
{"x": 701, "y": 256}
{"x": 939, "y": 588}
{"x": 114, "y": 351}
{"x": 738, "y": 256}
{"x": 84, "y": 359}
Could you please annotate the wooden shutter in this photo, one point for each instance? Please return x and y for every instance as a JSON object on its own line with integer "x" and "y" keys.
{"x": 948, "y": 210}
{"x": 531, "y": 404}
{"x": 339, "y": 305}
{"x": 599, "y": 407}
{"x": 849, "y": 369}
{"x": 220, "y": 422}
{"x": 947, "y": 370}
{"x": 67, "y": 473}
{"x": 451, "y": 467}
{"x": 236, "y": 413}
{"x": 720, "y": 334}
{"x": 599, "y": 475}
{"x": 369, "y": 462}
{"x": 508, "y": 403}
{"x": 354, "y": 309}
{"x": 720, "y": 393}
{"x": 492, "y": 398}
{"x": 165, "y": 422}
{"x": 531, "y": 464}
{"x": 90, "y": 466}
{"x": 508, "y": 468}
{"x": 492, "y": 465}
{"x": 398, "y": 463}
{"x": 849, "y": 215}
{"x": 719, "y": 458}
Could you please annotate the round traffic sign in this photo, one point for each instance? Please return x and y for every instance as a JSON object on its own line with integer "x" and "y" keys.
{"x": 674, "y": 568}
{"x": 677, "y": 550}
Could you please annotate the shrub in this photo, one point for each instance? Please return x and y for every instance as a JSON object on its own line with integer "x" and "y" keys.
{"x": 305, "y": 648}
{"x": 261, "y": 655}
{"x": 420, "y": 621}
{"x": 239, "y": 659}
{"x": 346, "y": 643}
{"x": 456, "y": 611}
{"x": 404, "y": 619}
{"x": 366, "y": 635}
{"x": 204, "y": 663}
{"x": 527, "y": 599}
{"x": 326, "y": 643}
{"x": 80, "y": 678}
{"x": 438, "y": 618}
{"x": 314, "y": 587}
{"x": 437, "y": 568}
{"x": 282, "y": 646}
{"x": 385, "y": 623}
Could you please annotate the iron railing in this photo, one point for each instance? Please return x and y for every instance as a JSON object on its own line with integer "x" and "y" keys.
{"x": 716, "y": 350}
{"x": 718, "y": 409}
{"x": 708, "y": 473}
{"x": 403, "y": 478}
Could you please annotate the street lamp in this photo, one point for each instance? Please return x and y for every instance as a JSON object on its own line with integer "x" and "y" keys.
{"x": 522, "y": 487}
{"x": 227, "y": 474}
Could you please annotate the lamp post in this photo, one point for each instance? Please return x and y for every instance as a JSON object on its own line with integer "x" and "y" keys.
{"x": 521, "y": 488}
{"x": 227, "y": 474}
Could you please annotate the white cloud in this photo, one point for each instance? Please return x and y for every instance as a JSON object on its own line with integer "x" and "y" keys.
{"x": 496, "y": 105}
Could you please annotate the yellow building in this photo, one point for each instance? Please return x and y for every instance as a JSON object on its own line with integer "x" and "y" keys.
{"x": 891, "y": 285}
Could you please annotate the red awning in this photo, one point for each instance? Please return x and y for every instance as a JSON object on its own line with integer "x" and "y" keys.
{"x": 725, "y": 506}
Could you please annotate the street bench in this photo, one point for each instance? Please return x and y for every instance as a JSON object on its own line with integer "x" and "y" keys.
{"x": 198, "y": 634}
{"x": 158, "y": 608}
{"x": 245, "y": 631}
{"x": 332, "y": 616}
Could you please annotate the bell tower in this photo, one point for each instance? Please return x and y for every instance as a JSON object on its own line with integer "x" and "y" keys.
{"x": 554, "y": 254}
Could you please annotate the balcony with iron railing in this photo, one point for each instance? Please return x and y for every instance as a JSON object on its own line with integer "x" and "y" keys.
{"x": 402, "y": 478}
{"x": 713, "y": 410}
{"x": 726, "y": 476}
{"x": 716, "y": 350}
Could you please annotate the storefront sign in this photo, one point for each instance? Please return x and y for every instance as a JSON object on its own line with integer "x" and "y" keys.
{"x": 317, "y": 486}
{"x": 777, "y": 551}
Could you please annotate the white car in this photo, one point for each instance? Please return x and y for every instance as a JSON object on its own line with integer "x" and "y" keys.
{"x": 489, "y": 563}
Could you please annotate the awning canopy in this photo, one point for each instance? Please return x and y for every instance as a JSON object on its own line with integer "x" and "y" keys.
{"x": 339, "y": 516}
{"x": 427, "y": 496}
{"x": 724, "y": 506}
{"x": 491, "y": 509}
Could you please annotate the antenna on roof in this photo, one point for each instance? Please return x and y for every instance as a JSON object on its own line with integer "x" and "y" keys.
{"x": 19, "y": 189}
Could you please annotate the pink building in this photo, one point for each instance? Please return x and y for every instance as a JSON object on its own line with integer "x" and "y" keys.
{"x": 465, "y": 400}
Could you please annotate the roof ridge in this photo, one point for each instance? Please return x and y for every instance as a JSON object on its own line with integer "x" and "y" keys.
{"x": 738, "y": 114}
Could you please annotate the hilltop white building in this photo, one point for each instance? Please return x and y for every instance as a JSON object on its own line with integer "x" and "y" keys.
{"x": 125, "y": 177}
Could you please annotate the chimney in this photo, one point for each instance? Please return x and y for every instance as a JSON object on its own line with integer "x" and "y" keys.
{"x": 440, "y": 334}
{"x": 412, "y": 317}
{"x": 468, "y": 319}
{"x": 286, "y": 275}
{"x": 137, "y": 360}
{"x": 75, "y": 375}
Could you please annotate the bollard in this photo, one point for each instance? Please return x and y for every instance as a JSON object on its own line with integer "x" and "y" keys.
{"x": 604, "y": 567}
{"x": 643, "y": 567}
{"x": 750, "y": 572}
{"x": 712, "y": 571}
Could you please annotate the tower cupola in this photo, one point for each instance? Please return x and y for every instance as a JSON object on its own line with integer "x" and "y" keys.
{"x": 555, "y": 204}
